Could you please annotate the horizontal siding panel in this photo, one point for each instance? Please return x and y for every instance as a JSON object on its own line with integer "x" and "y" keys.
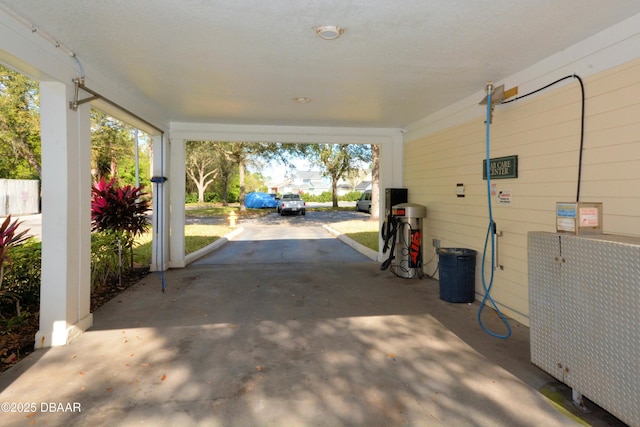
{"x": 609, "y": 168}
{"x": 622, "y": 134}
{"x": 612, "y": 119}
{"x": 614, "y": 78}
{"x": 614, "y": 100}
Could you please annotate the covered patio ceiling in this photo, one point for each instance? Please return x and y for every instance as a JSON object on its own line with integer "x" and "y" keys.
{"x": 247, "y": 61}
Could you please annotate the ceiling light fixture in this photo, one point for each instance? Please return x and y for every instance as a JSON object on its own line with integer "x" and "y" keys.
{"x": 329, "y": 32}
{"x": 302, "y": 100}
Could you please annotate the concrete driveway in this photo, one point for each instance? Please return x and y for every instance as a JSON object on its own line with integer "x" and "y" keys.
{"x": 290, "y": 239}
{"x": 235, "y": 342}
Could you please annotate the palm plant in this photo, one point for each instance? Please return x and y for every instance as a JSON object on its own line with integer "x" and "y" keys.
{"x": 9, "y": 239}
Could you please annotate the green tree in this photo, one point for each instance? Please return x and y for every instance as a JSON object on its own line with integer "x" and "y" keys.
{"x": 111, "y": 143}
{"x": 338, "y": 160}
{"x": 255, "y": 182}
{"x": 240, "y": 153}
{"x": 228, "y": 171}
{"x": 20, "y": 153}
{"x": 127, "y": 163}
{"x": 246, "y": 153}
{"x": 222, "y": 166}
{"x": 201, "y": 164}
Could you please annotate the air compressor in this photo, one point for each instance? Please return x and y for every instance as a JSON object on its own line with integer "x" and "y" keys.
{"x": 402, "y": 235}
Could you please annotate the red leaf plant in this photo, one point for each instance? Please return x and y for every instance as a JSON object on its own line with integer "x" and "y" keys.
{"x": 8, "y": 240}
{"x": 119, "y": 210}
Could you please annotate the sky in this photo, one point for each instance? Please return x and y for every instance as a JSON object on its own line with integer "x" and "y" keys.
{"x": 276, "y": 171}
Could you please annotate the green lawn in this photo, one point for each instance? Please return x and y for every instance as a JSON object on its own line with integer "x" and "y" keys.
{"x": 330, "y": 208}
{"x": 196, "y": 236}
{"x": 363, "y": 232}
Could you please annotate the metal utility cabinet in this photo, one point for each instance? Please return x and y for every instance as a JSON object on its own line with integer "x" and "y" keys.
{"x": 584, "y": 308}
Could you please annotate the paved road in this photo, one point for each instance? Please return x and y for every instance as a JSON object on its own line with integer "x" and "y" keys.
{"x": 274, "y": 221}
{"x": 276, "y": 239}
{"x": 31, "y": 222}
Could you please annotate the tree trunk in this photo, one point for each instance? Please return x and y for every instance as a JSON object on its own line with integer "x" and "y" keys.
{"x": 114, "y": 168}
{"x": 334, "y": 189}
{"x": 375, "y": 182}
{"x": 241, "y": 177}
{"x": 225, "y": 191}
{"x": 201, "y": 188}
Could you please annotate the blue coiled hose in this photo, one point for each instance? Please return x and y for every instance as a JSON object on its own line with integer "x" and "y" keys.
{"x": 491, "y": 234}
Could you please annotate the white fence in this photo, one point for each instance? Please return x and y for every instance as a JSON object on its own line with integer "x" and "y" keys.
{"x": 19, "y": 196}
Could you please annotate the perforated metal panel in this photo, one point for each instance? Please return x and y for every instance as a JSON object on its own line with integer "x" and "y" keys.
{"x": 544, "y": 289}
{"x": 584, "y": 295}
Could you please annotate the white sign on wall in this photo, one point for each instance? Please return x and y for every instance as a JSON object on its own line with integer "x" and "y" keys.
{"x": 504, "y": 197}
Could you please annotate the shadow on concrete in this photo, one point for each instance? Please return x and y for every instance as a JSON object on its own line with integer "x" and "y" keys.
{"x": 308, "y": 345}
{"x": 288, "y": 343}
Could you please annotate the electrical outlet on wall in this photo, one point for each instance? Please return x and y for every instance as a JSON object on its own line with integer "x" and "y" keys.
{"x": 436, "y": 243}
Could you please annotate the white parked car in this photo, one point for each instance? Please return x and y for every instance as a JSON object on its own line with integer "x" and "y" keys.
{"x": 364, "y": 203}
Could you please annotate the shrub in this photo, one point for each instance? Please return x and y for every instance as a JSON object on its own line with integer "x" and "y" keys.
{"x": 191, "y": 198}
{"x": 22, "y": 278}
{"x": 9, "y": 239}
{"x": 210, "y": 197}
{"x": 233, "y": 195}
{"x": 327, "y": 196}
{"x": 105, "y": 262}
{"x": 18, "y": 320}
{"x": 351, "y": 196}
{"x": 119, "y": 211}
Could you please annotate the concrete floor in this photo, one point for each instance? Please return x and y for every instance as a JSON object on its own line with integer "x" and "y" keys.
{"x": 338, "y": 344}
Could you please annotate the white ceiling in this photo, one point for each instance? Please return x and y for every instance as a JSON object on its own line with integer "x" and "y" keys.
{"x": 243, "y": 61}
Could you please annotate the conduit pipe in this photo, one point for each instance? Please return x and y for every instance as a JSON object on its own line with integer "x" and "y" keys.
{"x": 79, "y": 85}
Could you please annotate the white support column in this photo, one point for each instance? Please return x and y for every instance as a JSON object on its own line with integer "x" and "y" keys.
{"x": 161, "y": 217}
{"x": 391, "y": 163}
{"x": 66, "y": 235}
{"x": 178, "y": 175}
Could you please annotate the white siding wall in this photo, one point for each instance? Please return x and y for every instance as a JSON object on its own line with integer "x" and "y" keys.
{"x": 544, "y": 131}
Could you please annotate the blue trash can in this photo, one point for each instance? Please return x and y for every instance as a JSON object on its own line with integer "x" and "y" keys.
{"x": 457, "y": 274}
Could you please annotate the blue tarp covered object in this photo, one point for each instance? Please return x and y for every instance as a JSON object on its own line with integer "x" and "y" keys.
{"x": 259, "y": 200}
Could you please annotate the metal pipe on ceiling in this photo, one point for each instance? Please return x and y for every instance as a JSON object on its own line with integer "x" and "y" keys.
{"x": 79, "y": 83}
